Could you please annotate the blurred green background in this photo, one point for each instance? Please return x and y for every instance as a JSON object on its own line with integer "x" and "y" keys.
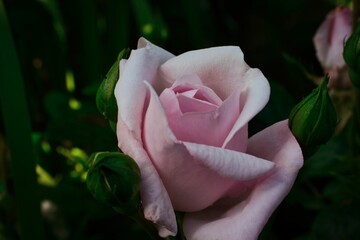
{"x": 65, "y": 48}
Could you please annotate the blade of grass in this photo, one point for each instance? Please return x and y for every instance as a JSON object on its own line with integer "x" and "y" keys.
{"x": 18, "y": 134}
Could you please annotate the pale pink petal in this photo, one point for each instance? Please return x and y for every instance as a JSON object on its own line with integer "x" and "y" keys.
{"x": 220, "y": 68}
{"x": 341, "y": 32}
{"x": 155, "y": 200}
{"x": 228, "y": 163}
{"x": 330, "y": 37}
{"x": 122, "y": 65}
{"x": 130, "y": 93}
{"x": 190, "y": 184}
{"x": 246, "y": 218}
{"x": 192, "y": 105}
{"x": 189, "y": 93}
{"x": 204, "y": 127}
{"x": 193, "y": 171}
{"x": 192, "y": 81}
{"x": 254, "y": 97}
{"x": 170, "y": 103}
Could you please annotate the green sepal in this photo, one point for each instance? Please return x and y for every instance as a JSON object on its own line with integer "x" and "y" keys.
{"x": 105, "y": 98}
{"x": 351, "y": 55}
{"x": 114, "y": 179}
{"x": 313, "y": 120}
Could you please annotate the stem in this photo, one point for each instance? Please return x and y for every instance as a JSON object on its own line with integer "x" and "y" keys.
{"x": 18, "y": 134}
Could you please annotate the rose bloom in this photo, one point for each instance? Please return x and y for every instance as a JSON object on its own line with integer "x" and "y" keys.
{"x": 184, "y": 120}
{"x": 329, "y": 41}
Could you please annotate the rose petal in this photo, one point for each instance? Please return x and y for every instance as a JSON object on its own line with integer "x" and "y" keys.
{"x": 205, "y": 127}
{"x": 246, "y": 219}
{"x": 220, "y": 68}
{"x": 223, "y": 69}
{"x": 155, "y": 200}
{"x": 254, "y": 97}
{"x": 228, "y": 163}
{"x": 183, "y": 177}
{"x": 192, "y": 81}
{"x": 192, "y": 105}
{"x": 122, "y": 65}
{"x": 193, "y": 171}
{"x": 189, "y": 93}
{"x": 330, "y": 37}
{"x": 130, "y": 93}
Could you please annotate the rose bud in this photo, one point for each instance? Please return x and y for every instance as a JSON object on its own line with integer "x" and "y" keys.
{"x": 313, "y": 120}
{"x": 352, "y": 56}
{"x": 114, "y": 179}
{"x": 184, "y": 120}
{"x": 329, "y": 42}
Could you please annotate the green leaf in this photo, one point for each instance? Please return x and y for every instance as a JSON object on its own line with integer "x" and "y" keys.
{"x": 114, "y": 179}
{"x": 105, "y": 98}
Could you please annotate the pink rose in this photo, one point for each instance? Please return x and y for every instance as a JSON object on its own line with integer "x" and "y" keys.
{"x": 329, "y": 42}
{"x": 184, "y": 121}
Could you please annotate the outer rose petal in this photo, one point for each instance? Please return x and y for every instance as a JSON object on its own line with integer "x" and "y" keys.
{"x": 245, "y": 219}
{"x": 193, "y": 171}
{"x": 253, "y": 98}
{"x": 229, "y": 164}
{"x": 330, "y": 37}
{"x": 219, "y": 68}
{"x": 130, "y": 93}
{"x": 155, "y": 200}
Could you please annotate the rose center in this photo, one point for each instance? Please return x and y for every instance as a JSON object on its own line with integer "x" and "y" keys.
{"x": 194, "y": 100}
{"x": 197, "y": 114}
